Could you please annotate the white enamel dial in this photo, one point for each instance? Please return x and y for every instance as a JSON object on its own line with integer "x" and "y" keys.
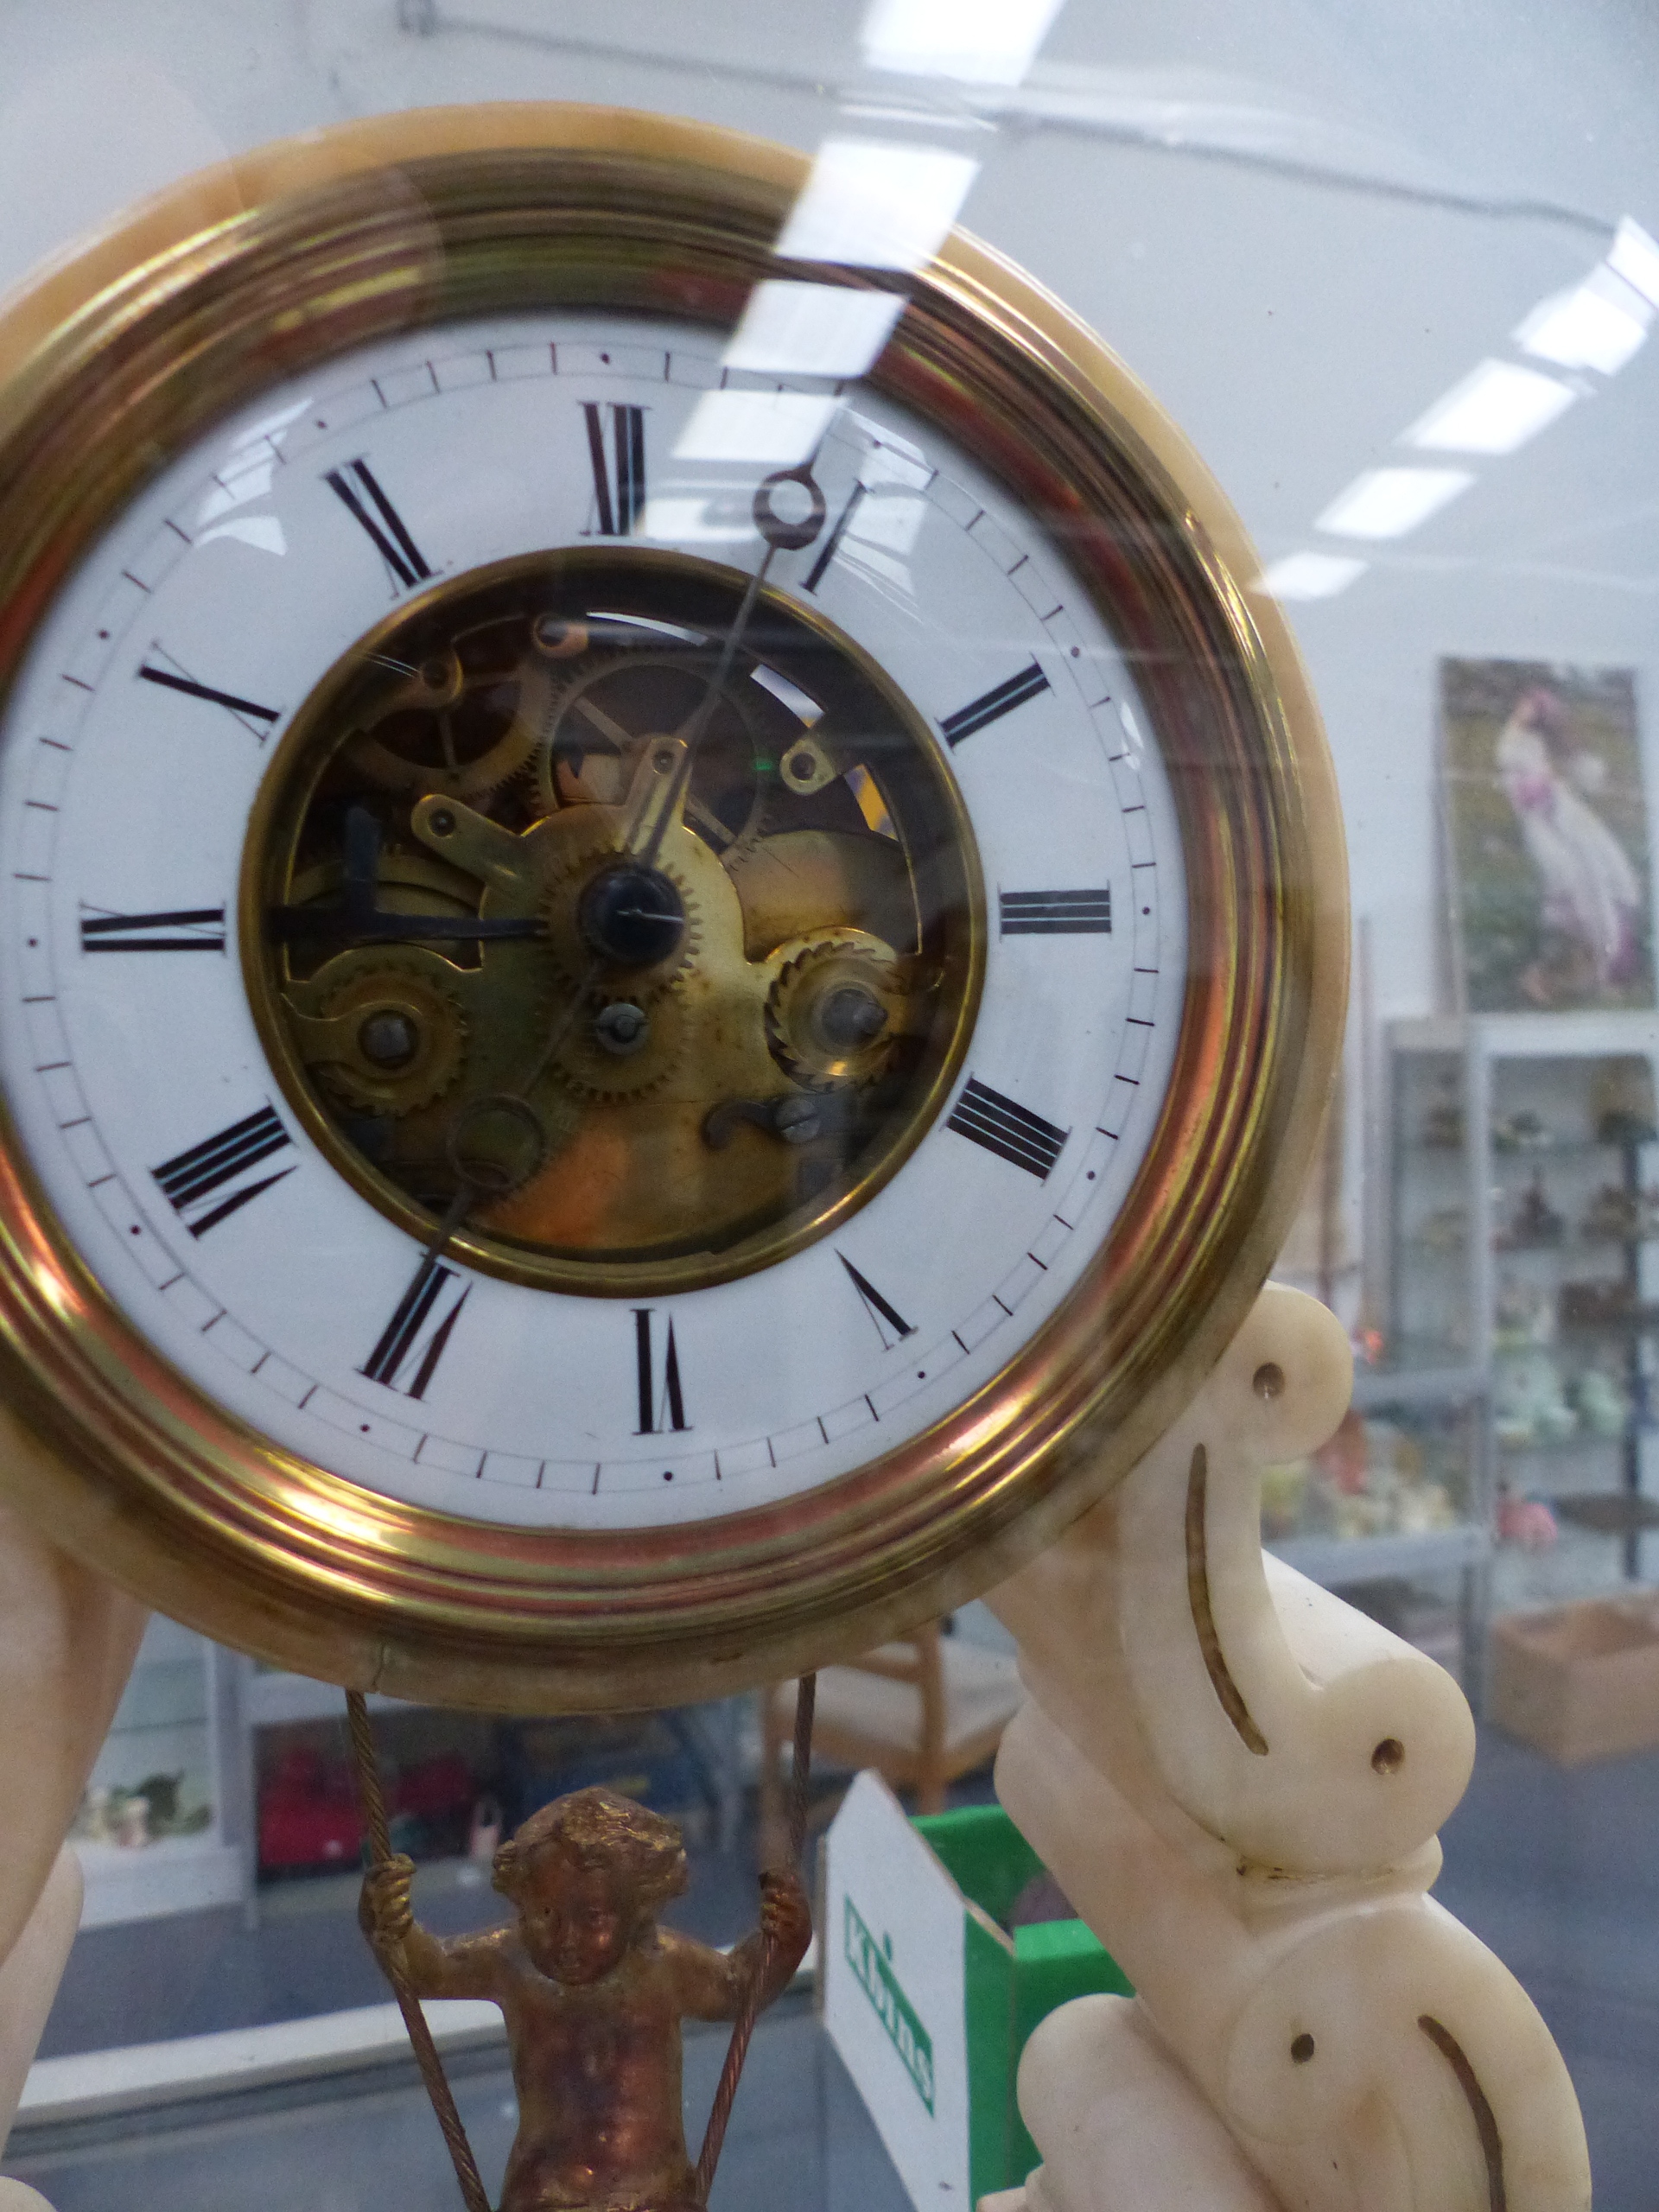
{"x": 155, "y": 698}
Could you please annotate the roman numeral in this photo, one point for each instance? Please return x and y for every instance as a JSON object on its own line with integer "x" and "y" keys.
{"x": 1056, "y": 914}
{"x": 181, "y": 929}
{"x": 620, "y": 505}
{"x": 192, "y": 1182}
{"x": 389, "y": 536}
{"x": 1011, "y": 1131}
{"x": 654, "y": 1403}
{"x": 248, "y": 712}
{"x": 884, "y": 1316}
{"x": 992, "y": 705}
{"x": 413, "y": 1341}
{"x": 832, "y": 543}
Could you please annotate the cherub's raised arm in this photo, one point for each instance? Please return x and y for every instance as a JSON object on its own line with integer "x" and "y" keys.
{"x": 711, "y": 1983}
{"x": 454, "y": 1966}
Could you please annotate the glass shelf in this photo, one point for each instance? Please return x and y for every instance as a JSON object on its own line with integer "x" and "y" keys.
{"x": 1581, "y": 1440}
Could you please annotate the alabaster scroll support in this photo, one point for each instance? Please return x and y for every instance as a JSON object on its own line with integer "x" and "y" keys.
{"x": 1236, "y": 1780}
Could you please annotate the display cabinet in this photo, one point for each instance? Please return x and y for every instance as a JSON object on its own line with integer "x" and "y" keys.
{"x": 160, "y": 1828}
{"x": 1392, "y": 1511}
{"x": 1524, "y": 1211}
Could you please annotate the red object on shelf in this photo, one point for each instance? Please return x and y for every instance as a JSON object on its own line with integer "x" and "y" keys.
{"x": 308, "y": 1807}
{"x": 443, "y": 1784}
{"x": 308, "y": 1814}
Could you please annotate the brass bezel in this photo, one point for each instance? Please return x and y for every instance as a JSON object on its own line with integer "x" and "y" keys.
{"x": 119, "y": 356}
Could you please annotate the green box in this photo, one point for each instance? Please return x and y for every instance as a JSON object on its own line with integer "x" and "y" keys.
{"x": 927, "y": 1996}
{"x": 1011, "y": 1983}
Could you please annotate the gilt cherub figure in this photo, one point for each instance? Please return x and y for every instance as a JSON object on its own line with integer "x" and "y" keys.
{"x": 594, "y": 1992}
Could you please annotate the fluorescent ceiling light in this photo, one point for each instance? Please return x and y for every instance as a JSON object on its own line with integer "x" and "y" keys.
{"x": 1496, "y": 408}
{"x": 1599, "y": 326}
{"x": 1635, "y": 257}
{"x": 814, "y": 330}
{"x": 876, "y": 206}
{"x": 1311, "y": 575}
{"x": 980, "y": 42}
{"x": 1387, "y": 502}
{"x": 772, "y": 429}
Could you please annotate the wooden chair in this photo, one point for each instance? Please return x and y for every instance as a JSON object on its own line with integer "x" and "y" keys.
{"x": 920, "y": 1710}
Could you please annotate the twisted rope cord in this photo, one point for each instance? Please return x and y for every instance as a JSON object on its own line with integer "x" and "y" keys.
{"x": 743, "y": 2028}
{"x": 374, "y": 1806}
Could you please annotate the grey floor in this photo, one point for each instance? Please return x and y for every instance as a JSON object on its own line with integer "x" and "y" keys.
{"x": 1559, "y": 1872}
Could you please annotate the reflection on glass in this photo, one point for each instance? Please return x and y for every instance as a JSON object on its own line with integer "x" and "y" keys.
{"x": 1311, "y": 575}
{"x": 1495, "y": 409}
{"x": 981, "y": 41}
{"x": 1600, "y": 326}
{"x": 875, "y": 206}
{"x": 1635, "y": 257}
{"x": 1387, "y": 502}
{"x": 815, "y": 330}
{"x": 771, "y": 429}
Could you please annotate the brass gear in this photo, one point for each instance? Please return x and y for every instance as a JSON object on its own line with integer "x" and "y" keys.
{"x": 437, "y": 690}
{"x": 585, "y": 1066}
{"x": 584, "y": 853}
{"x": 812, "y": 972}
{"x": 405, "y": 995}
{"x": 539, "y": 772}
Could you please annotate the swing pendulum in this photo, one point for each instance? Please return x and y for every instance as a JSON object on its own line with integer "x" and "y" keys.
{"x": 474, "y": 2196}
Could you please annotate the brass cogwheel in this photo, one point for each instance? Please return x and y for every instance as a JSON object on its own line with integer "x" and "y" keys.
{"x": 387, "y": 1039}
{"x": 584, "y": 854}
{"x": 578, "y": 723}
{"x": 439, "y": 690}
{"x": 836, "y": 1004}
{"x": 586, "y": 1064}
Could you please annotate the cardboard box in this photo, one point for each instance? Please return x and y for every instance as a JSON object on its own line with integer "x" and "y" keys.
{"x": 928, "y": 1998}
{"x": 1581, "y": 1681}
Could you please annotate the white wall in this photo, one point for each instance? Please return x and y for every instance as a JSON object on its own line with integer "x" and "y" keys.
{"x": 1256, "y": 204}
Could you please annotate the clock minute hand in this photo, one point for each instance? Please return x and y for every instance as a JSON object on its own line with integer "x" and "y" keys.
{"x": 644, "y": 839}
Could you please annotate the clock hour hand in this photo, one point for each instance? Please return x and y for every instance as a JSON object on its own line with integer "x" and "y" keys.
{"x": 359, "y": 919}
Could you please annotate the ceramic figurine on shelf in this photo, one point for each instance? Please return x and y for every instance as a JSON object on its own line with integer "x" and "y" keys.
{"x": 1527, "y": 1523}
{"x": 1521, "y": 1131}
{"x": 1528, "y": 1404}
{"x": 1593, "y": 1304}
{"x": 1523, "y": 1314}
{"x": 1603, "y": 1401}
{"x": 1613, "y": 1216}
{"x": 1446, "y": 1230}
{"x": 1623, "y": 1102}
{"x": 1536, "y": 1221}
{"x": 132, "y": 1822}
{"x": 1443, "y": 1123}
{"x": 594, "y": 1992}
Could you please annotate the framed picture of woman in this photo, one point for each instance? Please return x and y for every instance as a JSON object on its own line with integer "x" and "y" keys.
{"x": 1546, "y": 837}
